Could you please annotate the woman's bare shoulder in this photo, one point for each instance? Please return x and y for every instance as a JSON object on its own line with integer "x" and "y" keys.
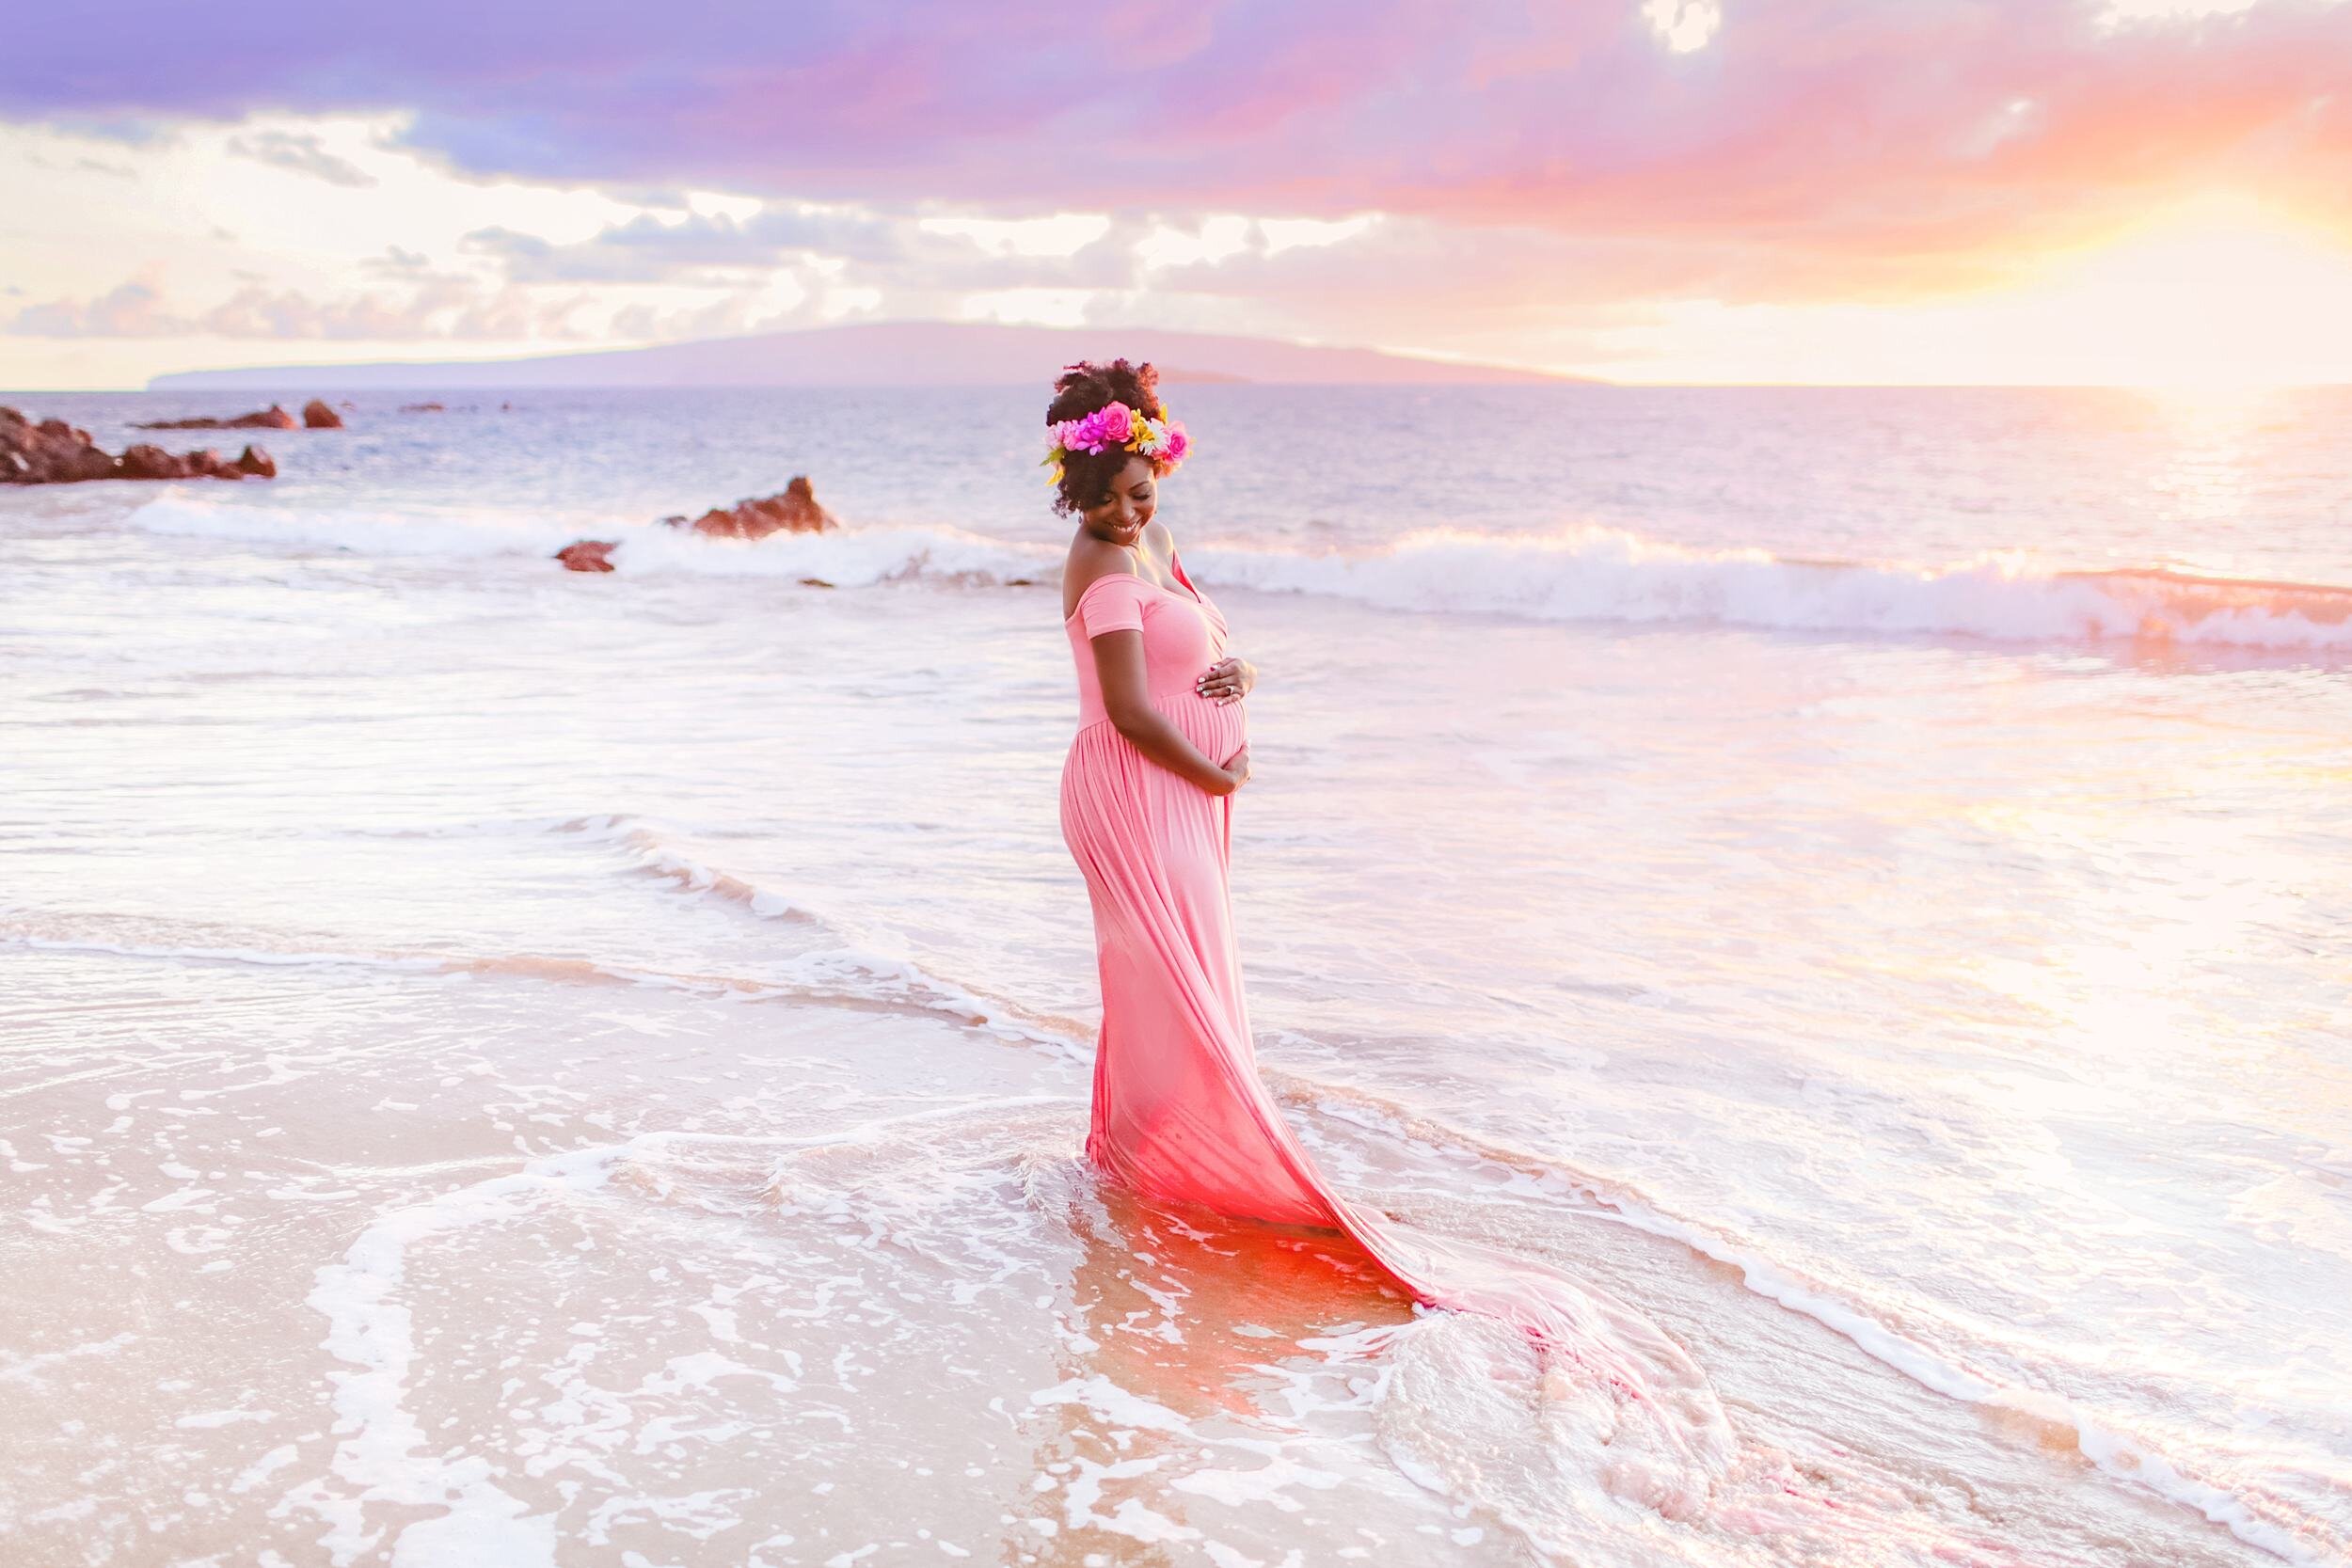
{"x": 1090, "y": 560}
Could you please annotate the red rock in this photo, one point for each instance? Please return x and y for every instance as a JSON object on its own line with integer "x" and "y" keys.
{"x": 793, "y": 511}
{"x": 151, "y": 462}
{"x": 53, "y": 453}
{"x": 272, "y": 418}
{"x": 588, "y": 555}
{"x": 83, "y": 463}
{"x": 317, "y": 416}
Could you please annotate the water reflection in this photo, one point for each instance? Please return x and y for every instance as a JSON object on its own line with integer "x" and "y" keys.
{"x": 1181, "y": 1328}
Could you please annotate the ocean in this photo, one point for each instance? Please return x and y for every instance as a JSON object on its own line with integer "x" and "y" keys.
{"x": 504, "y": 1066}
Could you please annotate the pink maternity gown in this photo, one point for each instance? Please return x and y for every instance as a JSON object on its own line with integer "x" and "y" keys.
{"x": 1179, "y": 1110}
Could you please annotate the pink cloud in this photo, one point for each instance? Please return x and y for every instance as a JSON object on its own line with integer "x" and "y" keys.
{"x": 440, "y": 307}
{"x": 134, "y": 309}
{"x": 1810, "y": 146}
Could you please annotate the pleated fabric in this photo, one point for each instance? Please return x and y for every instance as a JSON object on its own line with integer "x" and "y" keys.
{"x": 1179, "y": 1111}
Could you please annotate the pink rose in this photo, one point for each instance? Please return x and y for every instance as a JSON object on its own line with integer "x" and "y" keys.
{"x": 1172, "y": 450}
{"x": 1117, "y": 423}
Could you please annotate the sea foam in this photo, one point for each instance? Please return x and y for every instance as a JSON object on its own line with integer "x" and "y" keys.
{"x": 1576, "y": 574}
{"x": 1609, "y": 575}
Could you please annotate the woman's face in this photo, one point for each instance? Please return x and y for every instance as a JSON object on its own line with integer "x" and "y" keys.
{"x": 1120, "y": 516}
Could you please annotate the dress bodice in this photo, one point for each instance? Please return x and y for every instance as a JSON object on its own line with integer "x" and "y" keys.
{"x": 1183, "y": 633}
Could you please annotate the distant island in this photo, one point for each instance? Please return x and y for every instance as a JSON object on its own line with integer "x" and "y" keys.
{"x": 889, "y": 353}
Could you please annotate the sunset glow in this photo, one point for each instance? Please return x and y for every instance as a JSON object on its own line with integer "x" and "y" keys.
{"x": 2217, "y": 294}
{"x": 2102, "y": 191}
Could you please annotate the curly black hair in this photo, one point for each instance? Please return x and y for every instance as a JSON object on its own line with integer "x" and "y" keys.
{"x": 1079, "y": 390}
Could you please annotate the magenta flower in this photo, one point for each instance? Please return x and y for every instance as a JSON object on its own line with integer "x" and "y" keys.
{"x": 1115, "y": 425}
{"x": 1110, "y": 425}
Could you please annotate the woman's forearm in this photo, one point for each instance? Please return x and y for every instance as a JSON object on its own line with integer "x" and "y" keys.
{"x": 1168, "y": 746}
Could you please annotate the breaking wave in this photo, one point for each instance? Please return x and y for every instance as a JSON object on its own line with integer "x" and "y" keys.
{"x": 1586, "y": 573}
{"x": 1609, "y": 575}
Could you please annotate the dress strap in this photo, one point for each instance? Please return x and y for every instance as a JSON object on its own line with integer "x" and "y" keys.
{"x": 1176, "y": 564}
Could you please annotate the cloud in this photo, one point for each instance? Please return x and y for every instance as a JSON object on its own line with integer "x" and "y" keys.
{"x": 646, "y": 250}
{"x": 142, "y": 132}
{"x": 722, "y": 318}
{"x": 1791, "y": 132}
{"x": 1563, "y": 183}
{"x": 302, "y": 153}
{"x": 129, "y": 310}
{"x": 898, "y": 251}
{"x": 396, "y": 261}
{"x": 440, "y": 307}
{"x": 257, "y": 311}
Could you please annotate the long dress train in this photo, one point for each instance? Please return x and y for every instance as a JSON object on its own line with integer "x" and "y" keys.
{"x": 1179, "y": 1111}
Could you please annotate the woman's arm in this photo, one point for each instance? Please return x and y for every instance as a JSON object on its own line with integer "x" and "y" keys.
{"x": 1127, "y": 700}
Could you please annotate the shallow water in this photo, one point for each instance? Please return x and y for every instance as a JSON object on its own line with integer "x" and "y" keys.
{"x": 510, "y": 1066}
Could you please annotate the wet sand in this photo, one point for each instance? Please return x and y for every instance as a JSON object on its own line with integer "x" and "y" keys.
{"x": 350, "y": 1266}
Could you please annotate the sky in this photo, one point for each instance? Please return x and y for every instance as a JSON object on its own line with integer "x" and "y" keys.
{"x": 1678, "y": 191}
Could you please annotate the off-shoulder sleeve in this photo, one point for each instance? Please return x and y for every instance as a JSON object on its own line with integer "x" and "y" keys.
{"x": 1113, "y": 602}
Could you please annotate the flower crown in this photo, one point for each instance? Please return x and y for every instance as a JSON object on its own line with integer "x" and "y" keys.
{"x": 1115, "y": 425}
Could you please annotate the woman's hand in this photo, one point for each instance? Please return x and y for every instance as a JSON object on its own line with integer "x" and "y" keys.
{"x": 1237, "y": 769}
{"x": 1229, "y": 680}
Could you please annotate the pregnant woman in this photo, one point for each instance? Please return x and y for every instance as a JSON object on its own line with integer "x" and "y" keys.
{"x": 1147, "y": 809}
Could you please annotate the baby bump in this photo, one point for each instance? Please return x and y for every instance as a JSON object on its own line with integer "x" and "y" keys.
{"x": 1109, "y": 788}
{"x": 1217, "y": 728}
